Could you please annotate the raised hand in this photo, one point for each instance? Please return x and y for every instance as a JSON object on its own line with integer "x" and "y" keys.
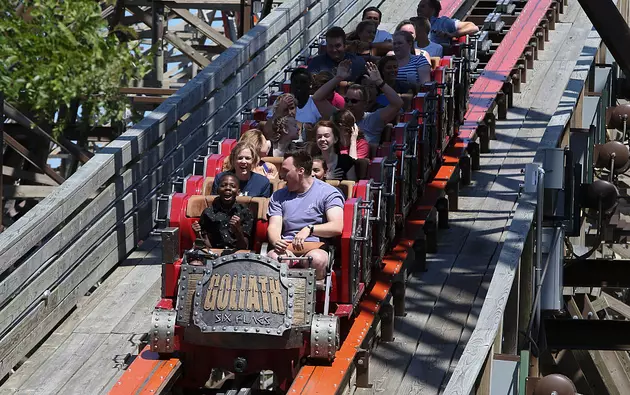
{"x": 196, "y": 227}
{"x": 373, "y": 74}
{"x": 344, "y": 70}
{"x": 235, "y": 223}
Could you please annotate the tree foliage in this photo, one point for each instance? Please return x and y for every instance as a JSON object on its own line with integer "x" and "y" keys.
{"x": 59, "y": 51}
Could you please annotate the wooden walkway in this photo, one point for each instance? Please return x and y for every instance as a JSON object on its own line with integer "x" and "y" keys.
{"x": 444, "y": 302}
{"x": 87, "y": 353}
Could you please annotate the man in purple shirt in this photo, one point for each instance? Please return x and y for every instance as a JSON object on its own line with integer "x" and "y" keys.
{"x": 304, "y": 213}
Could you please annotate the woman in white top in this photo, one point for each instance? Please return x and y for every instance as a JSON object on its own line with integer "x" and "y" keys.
{"x": 412, "y": 69}
{"x": 423, "y": 28}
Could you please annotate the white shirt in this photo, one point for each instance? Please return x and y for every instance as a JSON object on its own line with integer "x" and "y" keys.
{"x": 434, "y": 49}
{"x": 382, "y": 36}
{"x": 307, "y": 114}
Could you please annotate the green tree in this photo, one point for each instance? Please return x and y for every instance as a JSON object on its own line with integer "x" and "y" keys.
{"x": 56, "y": 52}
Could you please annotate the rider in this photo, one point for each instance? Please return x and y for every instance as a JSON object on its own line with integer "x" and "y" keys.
{"x": 304, "y": 213}
{"x": 226, "y": 224}
{"x": 443, "y": 28}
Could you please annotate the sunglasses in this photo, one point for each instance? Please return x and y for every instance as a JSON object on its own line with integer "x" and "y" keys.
{"x": 353, "y": 101}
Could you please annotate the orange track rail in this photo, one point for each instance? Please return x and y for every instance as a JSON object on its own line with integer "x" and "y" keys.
{"x": 149, "y": 375}
{"x": 329, "y": 379}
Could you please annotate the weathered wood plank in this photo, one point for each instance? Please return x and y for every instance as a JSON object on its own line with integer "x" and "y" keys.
{"x": 104, "y": 365}
{"x": 85, "y": 305}
{"x": 115, "y": 306}
{"x": 64, "y": 363}
{"x": 26, "y": 191}
{"x": 55, "y": 270}
{"x": 43, "y": 317}
{"x": 138, "y": 319}
{"x": 482, "y": 338}
{"x": 423, "y": 292}
{"x": 28, "y": 175}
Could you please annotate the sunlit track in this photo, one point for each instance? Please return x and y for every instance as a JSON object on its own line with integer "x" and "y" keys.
{"x": 482, "y": 97}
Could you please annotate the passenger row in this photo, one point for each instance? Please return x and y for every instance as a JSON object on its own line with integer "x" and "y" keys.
{"x": 372, "y": 130}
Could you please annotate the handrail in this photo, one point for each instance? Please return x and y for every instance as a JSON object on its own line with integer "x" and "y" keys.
{"x": 55, "y": 253}
{"x": 481, "y": 340}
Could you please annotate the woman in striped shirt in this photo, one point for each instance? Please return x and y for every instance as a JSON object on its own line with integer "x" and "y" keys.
{"x": 412, "y": 69}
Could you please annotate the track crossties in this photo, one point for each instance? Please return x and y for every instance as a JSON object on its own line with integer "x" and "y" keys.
{"x": 443, "y": 303}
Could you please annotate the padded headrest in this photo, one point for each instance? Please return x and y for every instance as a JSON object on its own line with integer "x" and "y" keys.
{"x": 275, "y": 184}
{"x": 207, "y": 186}
{"x": 347, "y": 187}
{"x": 276, "y": 160}
{"x": 361, "y": 168}
{"x": 197, "y": 203}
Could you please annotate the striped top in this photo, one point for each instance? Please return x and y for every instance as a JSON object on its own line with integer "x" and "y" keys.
{"x": 409, "y": 72}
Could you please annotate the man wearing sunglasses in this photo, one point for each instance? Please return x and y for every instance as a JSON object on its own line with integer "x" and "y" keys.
{"x": 371, "y": 123}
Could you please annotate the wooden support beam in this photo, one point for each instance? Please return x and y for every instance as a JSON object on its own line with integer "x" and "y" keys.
{"x": 177, "y": 42}
{"x": 26, "y": 191}
{"x": 66, "y": 144}
{"x": 147, "y": 91}
{"x": 245, "y": 17}
{"x": 203, "y": 27}
{"x": 26, "y": 175}
{"x": 614, "y": 363}
{"x": 222, "y": 5}
{"x": 25, "y": 153}
{"x": 614, "y": 304}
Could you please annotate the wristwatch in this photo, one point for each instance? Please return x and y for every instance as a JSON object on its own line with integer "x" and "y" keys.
{"x": 311, "y": 229}
{"x": 381, "y": 85}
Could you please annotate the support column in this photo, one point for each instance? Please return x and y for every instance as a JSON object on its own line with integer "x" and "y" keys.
{"x": 245, "y": 17}
{"x": 157, "y": 34}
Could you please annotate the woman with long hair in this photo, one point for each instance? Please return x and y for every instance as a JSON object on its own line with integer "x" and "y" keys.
{"x": 257, "y": 139}
{"x": 340, "y": 166}
{"x": 360, "y": 40}
{"x": 241, "y": 162}
{"x": 351, "y": 140}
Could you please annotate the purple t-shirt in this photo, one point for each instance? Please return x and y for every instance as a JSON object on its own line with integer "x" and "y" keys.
{"x": 308, "y": 208}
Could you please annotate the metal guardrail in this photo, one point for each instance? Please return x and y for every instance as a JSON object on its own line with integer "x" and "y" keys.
{"x": 475, "y": 363}
{"x": 55, "y": 253}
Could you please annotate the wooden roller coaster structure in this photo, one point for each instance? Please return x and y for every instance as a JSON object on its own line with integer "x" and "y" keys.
{"x": 213, "y": 318}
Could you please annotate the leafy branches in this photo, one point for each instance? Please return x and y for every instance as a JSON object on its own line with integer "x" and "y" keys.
{"x": 61, "y": 51}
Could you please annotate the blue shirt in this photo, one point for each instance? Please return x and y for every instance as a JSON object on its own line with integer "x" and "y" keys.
{"x": 382, "y": 36}
{"x": 256, "y": 186}
{"x": 325, "y": 63}
{"x": 442, "y": 24}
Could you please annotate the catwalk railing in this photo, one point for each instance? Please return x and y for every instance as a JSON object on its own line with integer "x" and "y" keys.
{"x": 507, "y": 308}
{"x": 63, "y": 246}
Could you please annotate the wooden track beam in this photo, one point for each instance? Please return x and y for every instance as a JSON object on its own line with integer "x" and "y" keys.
{"x": 26, "y": 154}
{"x": 203, "y": 27}
{"x": 177, "y": 42}
{"x": 612, "y": 28}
